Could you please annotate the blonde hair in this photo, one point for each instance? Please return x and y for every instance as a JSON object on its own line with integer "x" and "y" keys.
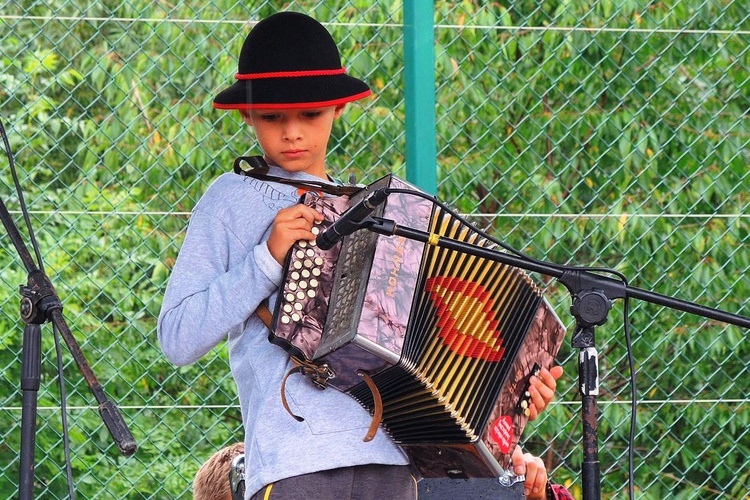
{"x": 212, "y": 479}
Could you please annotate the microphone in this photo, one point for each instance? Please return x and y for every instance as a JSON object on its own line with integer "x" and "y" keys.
{"x": 351, "y": 220}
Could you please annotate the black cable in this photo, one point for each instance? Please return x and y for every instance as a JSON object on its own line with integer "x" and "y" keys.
{"x": 633, "y": 399}
{"x": 40, "y": 265}
{"x": 24, "y": 211}
{"x": 63, "y": 412}
{"x": 626, "y": 313}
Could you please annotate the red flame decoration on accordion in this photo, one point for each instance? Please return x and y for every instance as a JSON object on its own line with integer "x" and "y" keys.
{"x": 465, "y": 318}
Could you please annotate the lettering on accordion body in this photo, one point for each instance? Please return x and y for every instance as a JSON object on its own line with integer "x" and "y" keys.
{"x": 398, "y": 260}
{"x": 502, "y": 433}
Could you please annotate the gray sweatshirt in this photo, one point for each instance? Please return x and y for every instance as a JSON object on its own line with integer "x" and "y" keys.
{"x": 224, "y": 270}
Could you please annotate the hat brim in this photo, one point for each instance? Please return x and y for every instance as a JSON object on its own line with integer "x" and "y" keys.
{"x": 304, "y": 92}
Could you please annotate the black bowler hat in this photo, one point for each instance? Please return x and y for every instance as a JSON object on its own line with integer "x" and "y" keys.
{"x": 289, "y": 60}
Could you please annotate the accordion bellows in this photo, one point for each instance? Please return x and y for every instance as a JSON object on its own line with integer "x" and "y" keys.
{"x": 449, "y": 339}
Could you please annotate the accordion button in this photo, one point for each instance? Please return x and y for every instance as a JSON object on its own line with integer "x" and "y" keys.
{"x": 310, "y": 252}
{"x": 300, "y": 254}
{"x": 300, "y": 295}
{"x": 289, "y": 297}
{"x": 315, "y": 230}
{"x": 303, "y": 284}
{"x": 318, "y": 261}
{"x": 305, "y": 273}
{"x": 298, "y": 306}
{"x": 292, "y": 286}
{"x": 302, "y": 244}
{"x": 308, "y": 263}
{"x": 295, "y": 317}
{"x": 297, "y": 264}
{"x": 313, "y": 283}
{"x": 316, "y": 271}
{"x": 311, "y": 293}
{"x": 285, "y": 320}
{"x": 287, "y": 308}
{"x": 295, "y": 275}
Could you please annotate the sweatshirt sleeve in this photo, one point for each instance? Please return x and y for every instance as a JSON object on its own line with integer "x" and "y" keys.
{"x": 215, "y": 286}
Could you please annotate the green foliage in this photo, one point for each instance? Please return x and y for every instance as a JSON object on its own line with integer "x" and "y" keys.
{"x": 609, "y": 133}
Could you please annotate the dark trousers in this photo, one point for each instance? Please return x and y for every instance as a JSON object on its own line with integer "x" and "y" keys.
{"x": 364, "y": 482}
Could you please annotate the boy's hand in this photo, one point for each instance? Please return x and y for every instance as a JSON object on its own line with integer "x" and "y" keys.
{"x": 542, "y": 389}
{"x": 535, "y": 486}
{"x": 291, "y": 225}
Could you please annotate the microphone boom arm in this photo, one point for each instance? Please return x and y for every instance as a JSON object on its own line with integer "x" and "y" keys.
{"x": 573, "y": 279}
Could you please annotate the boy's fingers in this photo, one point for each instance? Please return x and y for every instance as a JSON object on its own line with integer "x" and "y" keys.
{"x": 541, "y": 393}
{"x": 537, "y": 403}
{"x": 299, "y": 211}
{"x": 542, "y": 389}
{"x": 536, "y": 477}
{"x": 549, "y": 377}
{"x": 519, "y": 467}
{"x": 300, "y": 223}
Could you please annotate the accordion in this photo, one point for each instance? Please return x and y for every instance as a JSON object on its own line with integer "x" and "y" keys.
{"x": 449, "y": 339}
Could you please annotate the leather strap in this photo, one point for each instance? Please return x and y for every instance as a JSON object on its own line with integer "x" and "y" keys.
{"x": 377, "y": 414}
{"x": 259, "y": 170}
{"x": 283, "y": 394}
{"x": 319, "y": 373}
{"x": 264, "y": 313}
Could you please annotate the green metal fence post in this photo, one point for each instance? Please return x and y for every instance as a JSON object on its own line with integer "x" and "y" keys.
{"x": 419, "y": 71}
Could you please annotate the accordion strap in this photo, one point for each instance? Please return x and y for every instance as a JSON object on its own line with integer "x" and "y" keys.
{"x": 259, "y": 170}
{"x": 319, "y": 373}
{"x": 264, "y": 313}
{"x": 377, "y": 414}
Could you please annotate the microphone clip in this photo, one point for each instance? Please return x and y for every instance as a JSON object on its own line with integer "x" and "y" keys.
{"x": 355, "y": 218}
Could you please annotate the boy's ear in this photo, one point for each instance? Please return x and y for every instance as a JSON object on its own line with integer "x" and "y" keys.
{"x": 245, "y": 114}
{"x": 339, "y": 110}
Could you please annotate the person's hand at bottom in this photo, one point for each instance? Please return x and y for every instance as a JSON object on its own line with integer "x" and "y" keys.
{"x": 535, "y": 486}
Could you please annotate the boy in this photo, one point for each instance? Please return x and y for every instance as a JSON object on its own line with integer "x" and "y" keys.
{"x": 290, "y": 88}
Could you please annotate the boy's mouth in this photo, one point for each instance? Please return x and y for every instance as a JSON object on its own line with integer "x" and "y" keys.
{"x": 293, "y": 153}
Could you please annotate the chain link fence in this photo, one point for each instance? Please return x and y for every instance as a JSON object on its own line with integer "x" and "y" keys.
{"x": 602, "y": 133}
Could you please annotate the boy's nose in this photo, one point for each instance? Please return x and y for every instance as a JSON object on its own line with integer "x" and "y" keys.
{"x": 292, "y": 132}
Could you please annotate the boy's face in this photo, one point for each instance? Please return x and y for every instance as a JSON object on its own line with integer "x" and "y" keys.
{"x": 294, "y": 139}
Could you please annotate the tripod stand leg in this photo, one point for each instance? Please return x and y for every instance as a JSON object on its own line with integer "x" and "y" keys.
{"x": 30, "y": 367}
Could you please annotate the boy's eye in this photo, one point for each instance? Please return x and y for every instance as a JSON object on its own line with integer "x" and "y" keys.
{"x": 312, "y": 114}
{"x": 269, "y": 117}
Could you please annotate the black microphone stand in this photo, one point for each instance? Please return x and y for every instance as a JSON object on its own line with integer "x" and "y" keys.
{"x": 592, "y": 296}
{"x": 39, "y": 304}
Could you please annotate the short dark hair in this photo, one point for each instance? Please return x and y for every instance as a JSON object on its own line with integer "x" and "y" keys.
{"x": 212, "y": 479}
